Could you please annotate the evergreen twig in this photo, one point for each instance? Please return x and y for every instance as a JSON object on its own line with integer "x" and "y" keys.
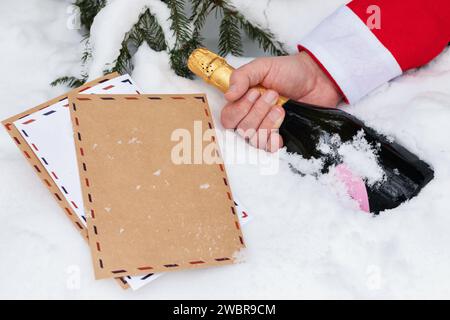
{"x": 265, "y": 38}
{"x": 72, "y": 82}
{"x": 230, "y": 35}
{"x": 88, "y": 11}
{"x": 148, "y": 29}
{"x": 200, "y": 11}
{"x": 180, "y": 23}
{"x": 186, "y": 28}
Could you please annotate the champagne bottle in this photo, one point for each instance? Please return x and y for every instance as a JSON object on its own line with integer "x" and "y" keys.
{"x": 305, "y": 125}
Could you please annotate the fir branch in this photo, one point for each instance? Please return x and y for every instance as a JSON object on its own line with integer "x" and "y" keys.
{"x": 148, "y": 29}
{"x": 230, "y": 35}
{"x": 180, "y": 25}
{"x": 200, "y": 11}
{"x": 87, "y": 52}
{"x": 186, "y": 39}
{"x": 179, "y": 58}
{"x": 71, "y": 82}
{"x": 263, "y": 37}
{"x": 123, "y": 62}
{"x": 88, "y": 10}
{"x": 187, "y": 30}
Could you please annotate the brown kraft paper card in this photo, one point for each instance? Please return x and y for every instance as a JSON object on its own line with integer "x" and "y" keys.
{"x": 148, "y": 213}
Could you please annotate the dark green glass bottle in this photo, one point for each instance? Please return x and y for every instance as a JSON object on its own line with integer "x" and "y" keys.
{"x": 405, "y": 174}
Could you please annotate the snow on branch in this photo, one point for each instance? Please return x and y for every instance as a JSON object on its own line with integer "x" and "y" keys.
{"x": 114, "y": 30}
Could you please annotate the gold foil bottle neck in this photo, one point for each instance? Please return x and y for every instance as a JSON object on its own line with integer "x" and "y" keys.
{"x": 211, "y": 67}
{"x": 215, "y": 70}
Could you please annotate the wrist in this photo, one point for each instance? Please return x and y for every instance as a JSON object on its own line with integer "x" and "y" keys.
{"x": 321, "y": 84}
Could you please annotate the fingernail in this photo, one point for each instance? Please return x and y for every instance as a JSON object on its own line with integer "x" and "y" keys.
{"x": 274, "y": 143}
{"x": 270, "y": 97}
{"x": 253, "y": 95}
{"x": 276, "y": 115}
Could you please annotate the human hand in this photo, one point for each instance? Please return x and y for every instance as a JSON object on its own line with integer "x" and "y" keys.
{"x": 255, "y": 116}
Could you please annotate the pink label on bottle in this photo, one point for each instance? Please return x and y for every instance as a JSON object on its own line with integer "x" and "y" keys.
{"x": 356, "y": 187}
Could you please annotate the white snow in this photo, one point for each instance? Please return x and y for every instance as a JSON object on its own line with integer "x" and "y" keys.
{"x": 111, "y": 25}
{"x": 134, "y": 140}
{"x": 357, "y": 155}
{"x": 306, "y": 239}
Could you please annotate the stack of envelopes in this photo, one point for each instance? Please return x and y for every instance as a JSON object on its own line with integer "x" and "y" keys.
{"x": 140, "y": 176}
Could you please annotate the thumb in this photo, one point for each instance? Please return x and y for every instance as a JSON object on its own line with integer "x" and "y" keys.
{"x": 247, "y": 76}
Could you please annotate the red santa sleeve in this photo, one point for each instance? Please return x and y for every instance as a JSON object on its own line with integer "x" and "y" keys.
{"x": 369, "y": 42}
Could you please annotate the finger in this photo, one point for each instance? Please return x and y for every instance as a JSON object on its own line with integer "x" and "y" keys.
{"x": 247, "y": 76}
{"x": 275, "y": 142}
{"x": 233, "y": 113}
{"x": 271, "y": 123}
{"x": 256, "y": 115}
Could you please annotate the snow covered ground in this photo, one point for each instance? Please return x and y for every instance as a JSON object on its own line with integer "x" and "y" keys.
{"x": 306, "y": 239}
